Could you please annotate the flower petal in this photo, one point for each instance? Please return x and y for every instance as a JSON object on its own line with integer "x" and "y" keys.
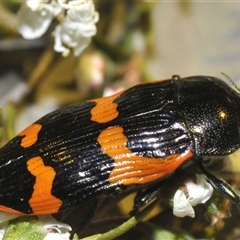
{"x": 181, "y": 206}
{"x": 200, "y": 191}
{"x": 33, "y": 24}
{"x": 34, "y": 17}
{"x": 77, "y": 28}
{"x": 49, "y": 222}
{"x": 57, "y": 236}
{"x": 196, "y": 192}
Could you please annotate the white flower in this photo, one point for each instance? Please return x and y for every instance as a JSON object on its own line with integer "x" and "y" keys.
{"x": 34, "y": 17}
{"x": 56, "y": 230}
{"x": 77, "y": 28}
{"x": 57, "y": 236}
{"x": 194, "y": 193}
{"x": 78, "y": 19}
{"x": 46, "y": 228}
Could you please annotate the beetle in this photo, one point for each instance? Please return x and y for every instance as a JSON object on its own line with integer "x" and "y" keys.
{"x": 135, "y": 137}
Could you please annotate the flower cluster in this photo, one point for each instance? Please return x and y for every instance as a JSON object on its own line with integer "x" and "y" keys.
{"x": 194, "y": 192}
{"x": 77, "y": 22}
{"x": 56, "y": 230}
{"x": 45, "y": 227}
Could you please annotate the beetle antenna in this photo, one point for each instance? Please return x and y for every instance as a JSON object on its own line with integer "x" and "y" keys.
{"x": 231, "y": 81}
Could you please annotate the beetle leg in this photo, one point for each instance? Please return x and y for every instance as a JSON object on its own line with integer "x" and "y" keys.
{"x": 144, "y": 197}
{"x": 219, "y": 184}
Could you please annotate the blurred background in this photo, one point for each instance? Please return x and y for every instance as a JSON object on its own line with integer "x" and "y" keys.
{"x": 136, "y": 41}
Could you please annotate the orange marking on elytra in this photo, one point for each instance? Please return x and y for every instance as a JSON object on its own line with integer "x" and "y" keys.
{"x": 30, "y": 135}
{"x": 130, "y": 168}
{"x": 42, "y": 201}
{"x": 9, "y": 210}
{"x": 105, "y": 109}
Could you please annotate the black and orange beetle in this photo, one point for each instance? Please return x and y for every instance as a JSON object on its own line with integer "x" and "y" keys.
{"x": 102, "y": 146}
